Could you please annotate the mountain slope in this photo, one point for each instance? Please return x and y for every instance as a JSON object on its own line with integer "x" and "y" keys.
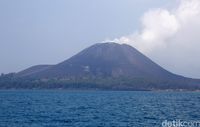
{"x": 33, "y": 69}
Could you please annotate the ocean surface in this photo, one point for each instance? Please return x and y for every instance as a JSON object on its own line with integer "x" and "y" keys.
{"x": 60, "y": 108}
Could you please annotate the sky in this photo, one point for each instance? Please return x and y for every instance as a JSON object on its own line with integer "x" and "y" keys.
{"x": 36, "y": 32}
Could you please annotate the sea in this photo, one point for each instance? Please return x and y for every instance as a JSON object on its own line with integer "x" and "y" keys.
{"x": 65, "y": 108}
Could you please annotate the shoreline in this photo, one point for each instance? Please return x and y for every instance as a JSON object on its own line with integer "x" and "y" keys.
{"x": 95, "y": 90}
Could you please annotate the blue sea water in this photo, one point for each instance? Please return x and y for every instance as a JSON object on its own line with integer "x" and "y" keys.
{"x": 60, "y": 108}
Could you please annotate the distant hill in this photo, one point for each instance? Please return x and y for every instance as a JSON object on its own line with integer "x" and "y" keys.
{"x": 106, "y": 66}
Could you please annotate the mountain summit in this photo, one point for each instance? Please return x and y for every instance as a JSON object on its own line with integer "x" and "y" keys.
{"x": 109, "y": 66}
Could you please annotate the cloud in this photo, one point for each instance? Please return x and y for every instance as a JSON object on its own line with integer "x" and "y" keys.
{"x": 170, "y": 37}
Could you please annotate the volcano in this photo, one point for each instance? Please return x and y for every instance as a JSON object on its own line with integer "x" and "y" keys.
{"x": 103, "y": 60}
{"x": 109, "y": 66}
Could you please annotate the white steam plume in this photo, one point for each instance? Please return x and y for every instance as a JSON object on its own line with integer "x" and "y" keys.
{"x": 170, "y": 37}
{"x": 159, "y": 25}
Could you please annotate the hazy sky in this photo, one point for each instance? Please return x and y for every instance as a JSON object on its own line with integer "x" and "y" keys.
{"x": 49, "y": 31}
